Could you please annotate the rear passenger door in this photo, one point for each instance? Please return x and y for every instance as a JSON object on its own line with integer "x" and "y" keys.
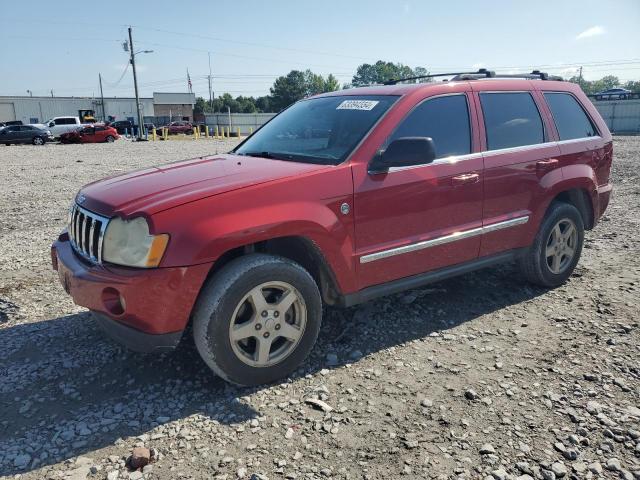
{"x": 518, "y": 153}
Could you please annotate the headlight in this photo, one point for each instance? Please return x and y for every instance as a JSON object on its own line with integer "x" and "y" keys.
{"x": 128, "y": 242}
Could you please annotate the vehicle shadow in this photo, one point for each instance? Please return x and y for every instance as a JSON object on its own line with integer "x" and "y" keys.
{"x": 65, "y": 390}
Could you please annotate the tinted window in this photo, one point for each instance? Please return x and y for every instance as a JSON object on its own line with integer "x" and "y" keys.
{"x": 511, "y": 120}
{"x": 445, "y": 120}
{"x": 569, "y": 117}
{"x": 318, "y": 130}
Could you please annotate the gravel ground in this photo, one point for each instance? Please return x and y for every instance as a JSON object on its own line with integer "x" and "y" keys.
{"x": 483, "y": 376}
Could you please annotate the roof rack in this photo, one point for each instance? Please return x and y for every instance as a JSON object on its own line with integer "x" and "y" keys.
{"x": 477, "y": 75}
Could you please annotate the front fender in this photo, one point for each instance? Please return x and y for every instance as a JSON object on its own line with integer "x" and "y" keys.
{"x": 202, "y": 231}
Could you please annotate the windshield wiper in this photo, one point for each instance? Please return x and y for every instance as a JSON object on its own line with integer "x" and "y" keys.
{"x": 261, "y": 154}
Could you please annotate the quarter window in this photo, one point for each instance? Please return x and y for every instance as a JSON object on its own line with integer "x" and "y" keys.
{"x": 569, "y": 117}
{"x": 511, "y": 119}
{"x": 445, "y": 120}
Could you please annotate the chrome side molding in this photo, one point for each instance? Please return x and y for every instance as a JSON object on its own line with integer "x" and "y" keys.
{"x": 452, "y": 237}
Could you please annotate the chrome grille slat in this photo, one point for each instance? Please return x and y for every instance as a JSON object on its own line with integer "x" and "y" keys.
{"x": 83, "y": 225}
{"x": 91, "y": 232}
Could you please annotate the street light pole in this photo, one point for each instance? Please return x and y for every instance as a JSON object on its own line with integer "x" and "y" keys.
{"x": 104, "y": 117}
{"x": 135, "y": 86}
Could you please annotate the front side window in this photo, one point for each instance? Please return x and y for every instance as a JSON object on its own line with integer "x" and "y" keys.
{"x": 570, "y": 119}
{"x": 322, "y": 130}
{"x": 445, "y": 120}
{"x": 511, "y": 119}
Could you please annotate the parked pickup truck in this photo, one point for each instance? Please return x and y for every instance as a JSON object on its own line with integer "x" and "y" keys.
{"x": 341, "y": 198}
{"x": 59, "y": 125}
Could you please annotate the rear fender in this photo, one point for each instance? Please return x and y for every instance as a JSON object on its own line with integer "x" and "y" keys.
{"x": 573, "y": 177}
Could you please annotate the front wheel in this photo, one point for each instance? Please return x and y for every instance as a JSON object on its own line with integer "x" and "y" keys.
{"x": 257, "y": 319}
{"x": 555, "y": 252}
{"x": 37, "y": 141}
{"x": 109, "y": 139}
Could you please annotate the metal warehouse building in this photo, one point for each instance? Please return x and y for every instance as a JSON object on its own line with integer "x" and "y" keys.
{"x": 40, "y": 109}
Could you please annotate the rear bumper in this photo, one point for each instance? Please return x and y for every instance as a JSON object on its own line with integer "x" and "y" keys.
{"x": 145, "y": 309}
{"x": 603, "y": 196}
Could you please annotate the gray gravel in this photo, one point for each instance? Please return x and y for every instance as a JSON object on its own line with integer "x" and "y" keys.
{"x": 483, "y": 376}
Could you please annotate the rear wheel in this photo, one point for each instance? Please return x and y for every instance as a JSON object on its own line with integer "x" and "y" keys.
{"x": 109, "y": 139}
{"x": 37, "y": 141}
{"x": 555, "y": 252}
{"x": 257, "y": 319}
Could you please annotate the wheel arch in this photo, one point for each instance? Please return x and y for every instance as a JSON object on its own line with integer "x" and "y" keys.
{"x": 579, "y": 198}
{"x": 300, "y": 249}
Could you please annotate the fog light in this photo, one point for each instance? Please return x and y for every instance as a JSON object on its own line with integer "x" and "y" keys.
{"x": 113, "y": 302}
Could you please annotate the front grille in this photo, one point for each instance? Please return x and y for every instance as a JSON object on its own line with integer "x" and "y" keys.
{"x": 86, "y": 232}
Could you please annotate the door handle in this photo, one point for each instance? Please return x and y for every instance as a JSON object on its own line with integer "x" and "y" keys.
{"x": 547, "y": 164}
{"x": 465, "y": 179}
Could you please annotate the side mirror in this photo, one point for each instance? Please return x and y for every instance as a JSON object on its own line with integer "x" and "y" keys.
{"x": 404, "y": 152}
{"x": 52, "y": 124}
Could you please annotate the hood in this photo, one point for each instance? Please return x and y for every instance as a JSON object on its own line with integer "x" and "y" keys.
{"x": 155, "y": 189}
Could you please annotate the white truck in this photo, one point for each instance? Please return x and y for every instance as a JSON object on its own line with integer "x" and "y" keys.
{"x": 60, "y": 125}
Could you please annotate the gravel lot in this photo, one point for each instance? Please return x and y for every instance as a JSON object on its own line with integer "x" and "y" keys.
{"x": 483, "y": 376}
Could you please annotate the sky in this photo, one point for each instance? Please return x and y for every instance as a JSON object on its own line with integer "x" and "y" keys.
{"x": 64, "y": 45}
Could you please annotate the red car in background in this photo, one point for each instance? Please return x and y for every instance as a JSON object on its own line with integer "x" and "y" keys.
{"x": 179, "y": 127}
{"x": 91, "y": 134}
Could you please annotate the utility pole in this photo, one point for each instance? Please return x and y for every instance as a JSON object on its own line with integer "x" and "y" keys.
{"x": 210, "y": 90}
{"x": 580, "y": 76}
{"x": 104, "y": 117}
{"x": 135, "y": 85}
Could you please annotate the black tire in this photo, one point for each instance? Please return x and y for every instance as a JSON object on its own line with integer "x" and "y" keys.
{"x": 8, "y": 144}
{"x": 38, "y": 141}
{"x": 109, "y": 139}
{"x": 222, "y": 295}
{"x": 534, "y": 263}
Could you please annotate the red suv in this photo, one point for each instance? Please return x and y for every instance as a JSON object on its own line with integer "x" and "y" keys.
{"x": 339, "y": 199}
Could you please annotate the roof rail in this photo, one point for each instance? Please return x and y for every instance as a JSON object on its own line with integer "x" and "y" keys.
{"x": 483, "y": 72}
{"x": 479, "y": 74}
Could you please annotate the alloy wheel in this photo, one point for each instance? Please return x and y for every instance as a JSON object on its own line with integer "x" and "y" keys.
{"x": 267, "y": 324}
{"x": 561, "y": 246}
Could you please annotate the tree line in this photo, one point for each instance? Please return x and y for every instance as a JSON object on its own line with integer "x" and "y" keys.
{"x": 297, "y": 84}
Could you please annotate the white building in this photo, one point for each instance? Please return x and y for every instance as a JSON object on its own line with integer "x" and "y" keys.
{"x": 40, "y": 109}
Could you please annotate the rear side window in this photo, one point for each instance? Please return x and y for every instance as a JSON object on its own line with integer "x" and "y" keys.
{"x": 511, "y": 119}
{"x": 445, "y": 120}
{"x": 569, "y": 117}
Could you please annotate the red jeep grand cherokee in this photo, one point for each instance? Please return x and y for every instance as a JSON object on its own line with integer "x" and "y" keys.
{"x": 339, "y": 199}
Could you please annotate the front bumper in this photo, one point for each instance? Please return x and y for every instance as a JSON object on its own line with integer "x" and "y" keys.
{"x": 144, "y": 309}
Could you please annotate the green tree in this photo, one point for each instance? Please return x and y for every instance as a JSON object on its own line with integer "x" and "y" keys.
{"x": 595, "y": 86}
{"x": 297, "y": 85}
{"x": 633, "y": 85}
{"x": 263, "y": 104}
{"x": 381, "y": 71}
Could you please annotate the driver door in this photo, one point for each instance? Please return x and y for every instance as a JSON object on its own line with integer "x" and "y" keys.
{"x": 415, "y": 219}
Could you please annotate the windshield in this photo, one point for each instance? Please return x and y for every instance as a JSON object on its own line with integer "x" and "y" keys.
{"x": 320, "y": 130}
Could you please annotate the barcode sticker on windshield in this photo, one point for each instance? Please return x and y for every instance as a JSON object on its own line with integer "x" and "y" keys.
{"x": 357, "y": 105}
